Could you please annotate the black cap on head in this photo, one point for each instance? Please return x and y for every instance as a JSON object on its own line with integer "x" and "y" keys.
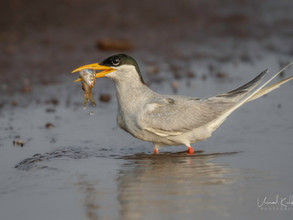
{"x": 121, "y": 59}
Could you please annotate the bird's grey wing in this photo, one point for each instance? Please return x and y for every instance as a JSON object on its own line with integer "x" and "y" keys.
{"x": 176, "y": 115}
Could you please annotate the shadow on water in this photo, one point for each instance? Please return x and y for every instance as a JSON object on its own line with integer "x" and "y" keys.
{"x": 165, "y": 155}
{"x": 171, "y": 183}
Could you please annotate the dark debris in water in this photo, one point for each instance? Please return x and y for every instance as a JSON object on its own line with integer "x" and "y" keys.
{"x": 222, "y": 75}
{"x": 50, "y": 110}
{"x": 14, "y": 103}
{"x": 105, "y": 97}
{"x": 49, "y": 125}
{"x": 52, "y": 101}
{"x": 19, "y": 143}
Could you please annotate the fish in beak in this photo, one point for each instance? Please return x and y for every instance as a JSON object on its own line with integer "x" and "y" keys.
{"x": 87, "y": 76}
{"x": 88, "y": 79}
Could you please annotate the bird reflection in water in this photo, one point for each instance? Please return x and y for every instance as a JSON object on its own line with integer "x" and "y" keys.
{"x": 170, "y": 183}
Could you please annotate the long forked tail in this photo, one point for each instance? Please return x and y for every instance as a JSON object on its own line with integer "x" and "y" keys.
{"x": 268, "y": 89}
{"x": 254, "y": 94}
{"x": 242, "y": 91}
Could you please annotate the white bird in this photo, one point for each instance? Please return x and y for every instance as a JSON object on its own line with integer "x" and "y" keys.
{"x": 168, "y": 119}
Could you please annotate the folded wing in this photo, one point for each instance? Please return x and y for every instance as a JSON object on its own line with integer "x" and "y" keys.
{"x": 174, "y": 115}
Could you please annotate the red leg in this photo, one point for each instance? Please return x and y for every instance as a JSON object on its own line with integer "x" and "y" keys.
{"x": 156, "y": 151}
{"x": 190, "y": 150}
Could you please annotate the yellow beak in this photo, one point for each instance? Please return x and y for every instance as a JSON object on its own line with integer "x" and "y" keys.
{"x": 95, "y": 66}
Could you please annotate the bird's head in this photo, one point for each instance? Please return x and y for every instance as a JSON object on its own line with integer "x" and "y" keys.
{"x": 120, "y": 67}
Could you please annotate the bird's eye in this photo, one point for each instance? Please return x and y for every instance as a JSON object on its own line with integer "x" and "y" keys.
{"x": 116, "y": 61}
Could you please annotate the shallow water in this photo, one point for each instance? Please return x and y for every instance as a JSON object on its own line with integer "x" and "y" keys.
{"x": 87, "y": 168}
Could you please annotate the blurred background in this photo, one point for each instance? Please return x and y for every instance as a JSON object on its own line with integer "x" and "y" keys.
{"x": 41, "y": 40}
{"x": 59, "y": 161}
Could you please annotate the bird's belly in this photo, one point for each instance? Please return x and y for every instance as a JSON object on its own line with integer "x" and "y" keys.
{"x": 189, "y": 137}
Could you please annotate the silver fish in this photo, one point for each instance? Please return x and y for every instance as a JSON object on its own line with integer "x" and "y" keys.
{"x": 88, "y": 79}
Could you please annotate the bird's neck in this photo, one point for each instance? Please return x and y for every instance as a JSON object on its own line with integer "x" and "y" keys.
{"x": 131, "y": 94}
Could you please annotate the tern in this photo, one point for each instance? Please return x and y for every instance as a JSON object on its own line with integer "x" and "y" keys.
{"x": 168, "y": 120}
